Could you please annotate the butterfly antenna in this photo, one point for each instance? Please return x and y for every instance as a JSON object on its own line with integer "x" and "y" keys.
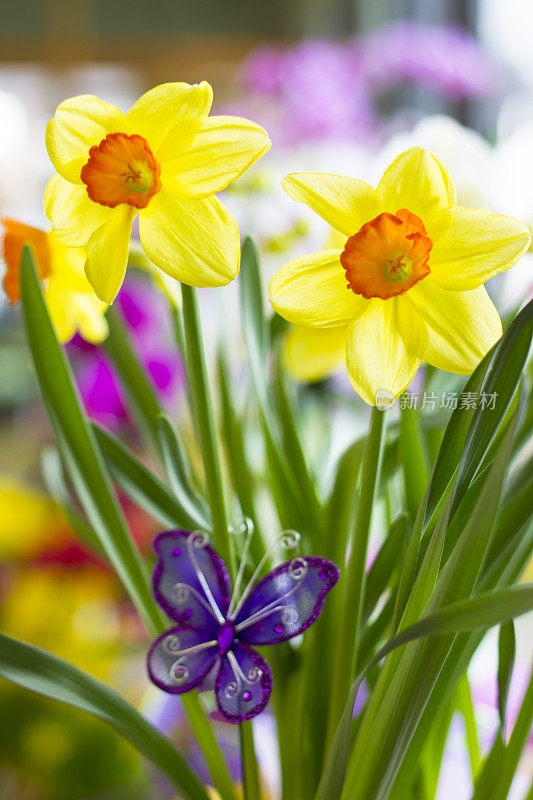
{"x": 200, "y": 539}
{"x": 246, "y": 527}
{"x": 288, "y": 540}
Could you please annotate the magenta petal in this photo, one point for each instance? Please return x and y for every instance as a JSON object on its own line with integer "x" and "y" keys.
{"x": 175, "y": 670}
{"x": 244, "y": 683}
{"x": 286, "y": 602}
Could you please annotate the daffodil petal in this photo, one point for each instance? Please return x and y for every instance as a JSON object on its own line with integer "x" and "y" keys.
{"x": 345, "y": 203}
{"x": 219, "y": 152}
{"x": 107, "y": 253}
{"x": 475, "y": 246}
{"x": 71, "y": 302}
{"x": 195, "y": 241}
{"x": 78, "y": 124}
{"x": 158, "y": 110}
{"x": 311, "y": 354}
{"x": 72, "y": 213}
{"x": 416, "y": 180}
{"x": 384, "y": 348}
{"x": 312, "y": 291}
{"x": 462, "y": 326}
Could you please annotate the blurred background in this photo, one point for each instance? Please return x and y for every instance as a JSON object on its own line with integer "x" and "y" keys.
{"x": 342, "y": 86}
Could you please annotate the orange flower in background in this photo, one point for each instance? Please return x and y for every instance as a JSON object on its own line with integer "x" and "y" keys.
{"x": 16, "y": 234}
{"x": 71, "y": 302}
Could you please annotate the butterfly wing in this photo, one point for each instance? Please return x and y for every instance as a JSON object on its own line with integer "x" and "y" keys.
{"x": 180, "y": 659}
{"x": 190, "y": 581}
{"x": 244, "y": 683}
{"x": 286, "y": 602}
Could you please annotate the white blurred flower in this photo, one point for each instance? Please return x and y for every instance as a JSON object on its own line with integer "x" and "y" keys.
{"x": 465, "y": 153}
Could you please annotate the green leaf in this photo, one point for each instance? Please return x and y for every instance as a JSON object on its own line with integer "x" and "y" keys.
{"x": 414, "y": 460}
{"x": 465, "y": 706}
{"x": 485, "y": 610}
{"x": 55, "y": 484}
{"x": 387, "y": 559}
{"x": 490, "y": 770}
{"x": 501, "y": 379}
{"x": 79, "y": 448}
{"x": 144, "y": 488}
{"x": 254, "y": 324}
{"x": 341, "y": 505}
{"x": 178, "y": 470}
{"x": 292, "y": 507}
{"x": 240, "y": 471}
{"x": 41, "y": 672}
{"x": 515, "y": 746}
{"x": 470, "y": 431}
{"x": 139, "y": 389}
{"x": 292, "y": 447}
{"x": 506, "y": 656}
{"x": 406, "y": 682}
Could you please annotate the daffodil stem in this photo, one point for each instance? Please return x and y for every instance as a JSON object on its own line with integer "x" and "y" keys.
{"x": 354, "y": 578}
{"x": 204, "y": 417}
{"x": 203, "y": 414}
{"x": 250, "y": 772}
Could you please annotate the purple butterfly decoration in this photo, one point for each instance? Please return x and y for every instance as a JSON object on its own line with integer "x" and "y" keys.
{"x": 214, "y": 626}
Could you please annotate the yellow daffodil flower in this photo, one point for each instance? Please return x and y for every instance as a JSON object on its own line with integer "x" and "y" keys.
{"x": 312, "y": 354}
{"x": 164, "y": 159}
{"x": 71, "y": 302}
{"x": 408, "y": 284}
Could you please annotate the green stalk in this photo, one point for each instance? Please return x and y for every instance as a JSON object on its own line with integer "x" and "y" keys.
{"x": 204, "y": 417}
{"x": 354, "y": 580}
{"x": 203, "y": 412}
{"x": 250, "y": 774}
{"x": 414, "y": 460}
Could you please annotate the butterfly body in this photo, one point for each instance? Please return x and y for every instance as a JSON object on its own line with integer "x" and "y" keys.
{"x": 211, "y": 628}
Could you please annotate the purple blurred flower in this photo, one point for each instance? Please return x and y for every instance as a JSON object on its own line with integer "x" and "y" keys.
{"x": 447, "y": 60}
{"x": 144, "y": 312}
{"x": 101, "y": 391}
{"x": 318, "y": 87}
{"x": 263, "y": 71}
{"x": 321, "y": 89}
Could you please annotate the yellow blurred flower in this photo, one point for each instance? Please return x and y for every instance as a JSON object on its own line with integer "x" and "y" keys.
{"x": 408, "y": 285}
{"x": 312, "y": 354}
{"x": 71, "y": 302}
{"x": 164, "y": 159}
{"x": 29, "y": 521}
{"x": 72, "y": 613}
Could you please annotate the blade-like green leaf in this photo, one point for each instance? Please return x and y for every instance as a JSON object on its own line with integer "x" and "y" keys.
{"x": 387, "y": 559}
{"x": 290, "y": 439}
{"x": 506, "y": 656}
{"x": 178, "y": 470}
{"x": 41, "y": 672}
{"x": 139, "y": 389}
{"x": 471, "y": 431}
{"x": 79, "y": 448}
{"x": 414, "y": 460}
{"x": 254, "y": 324}
{"x": 485, "y": 610}
{"x": 501, "y": 380}
{"x": 55, "y": 484}
{"x": 143, "y": 487}
{"x": 240, "y": 471}
{"x": 515, "y": 746}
